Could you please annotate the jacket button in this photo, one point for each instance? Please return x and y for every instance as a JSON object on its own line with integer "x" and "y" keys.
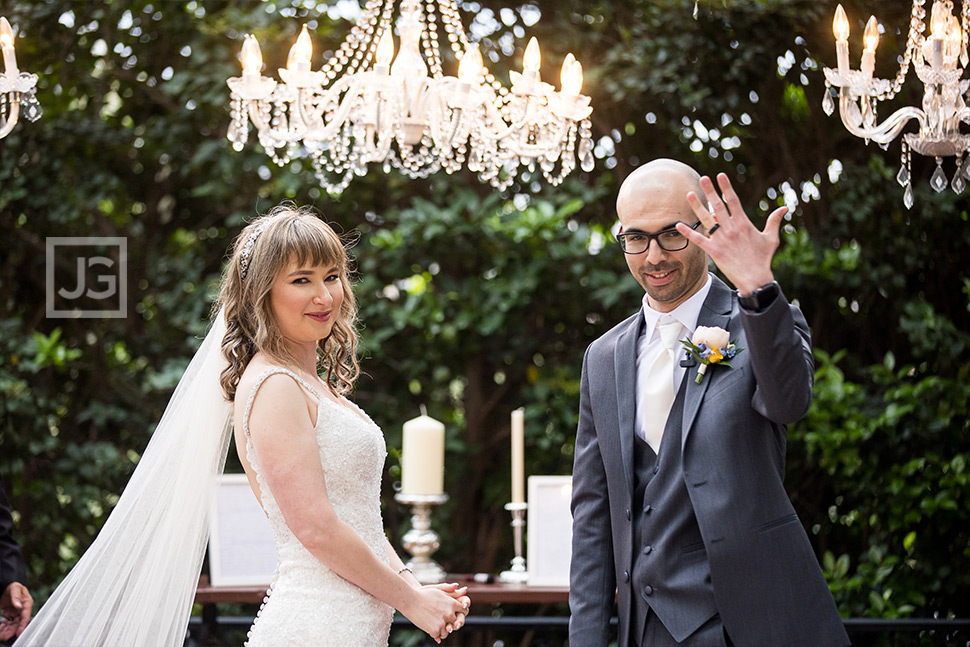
{"x": 647, "y": 508}
{"x": 626, "y": 576}
{"x": 628, "y": 514}
{"x": 648, "y": 590}
{"x": 647, "y": 550}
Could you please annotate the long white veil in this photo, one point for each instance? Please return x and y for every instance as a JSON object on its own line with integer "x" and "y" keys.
{"x": 135, "y": 585}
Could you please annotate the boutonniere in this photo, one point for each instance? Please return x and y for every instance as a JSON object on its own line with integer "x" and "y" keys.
{"x": 710, "y": 346}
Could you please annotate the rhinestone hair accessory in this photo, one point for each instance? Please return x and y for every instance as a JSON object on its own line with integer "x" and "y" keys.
{"x": 247, "y": 250}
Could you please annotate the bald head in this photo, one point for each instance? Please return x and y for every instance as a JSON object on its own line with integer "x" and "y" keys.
{"x": 663, "y": 180}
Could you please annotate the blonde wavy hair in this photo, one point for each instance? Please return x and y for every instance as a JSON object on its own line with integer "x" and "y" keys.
{"x": 269, "y": 244}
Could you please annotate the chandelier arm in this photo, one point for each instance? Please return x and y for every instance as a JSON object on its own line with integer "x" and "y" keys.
{"x": 528, "y": 117}
{"x": 252, "y": 107}
{"x": 421, "y": 96}
{"x": 305, "y": 110}
{"x": 343, "y": 108}
{"x": 444, "y": 135}
{"x": 539, "y": 150}
{"x": 13, "y": 114}
{"x": 885, "y": 132}
{"x": 377, "y": 143}
{"x": 289, "y": 134}
{"x": 305, "y": 128}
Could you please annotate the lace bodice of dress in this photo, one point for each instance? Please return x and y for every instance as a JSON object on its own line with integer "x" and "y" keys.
{"x": 309, "y": 603}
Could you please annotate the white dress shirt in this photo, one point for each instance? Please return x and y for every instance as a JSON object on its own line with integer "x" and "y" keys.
{"x": 649, "y": 345}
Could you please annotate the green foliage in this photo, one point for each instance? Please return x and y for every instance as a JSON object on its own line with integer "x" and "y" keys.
{"x": 892, "y": 456}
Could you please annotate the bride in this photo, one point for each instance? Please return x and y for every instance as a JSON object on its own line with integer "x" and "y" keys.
{"x": 274, "y": 370}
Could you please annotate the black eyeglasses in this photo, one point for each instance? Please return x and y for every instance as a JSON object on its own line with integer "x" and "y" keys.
{"x": 670, "y": 240}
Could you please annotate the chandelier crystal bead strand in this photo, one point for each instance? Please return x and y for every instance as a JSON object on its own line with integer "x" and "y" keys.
{"x": 367, "y": 106}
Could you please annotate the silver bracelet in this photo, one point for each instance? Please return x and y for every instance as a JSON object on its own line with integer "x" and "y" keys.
{"x": 405, "y": 568}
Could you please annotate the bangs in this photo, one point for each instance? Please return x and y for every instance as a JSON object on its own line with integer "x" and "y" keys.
{"x": 309, "y": 242}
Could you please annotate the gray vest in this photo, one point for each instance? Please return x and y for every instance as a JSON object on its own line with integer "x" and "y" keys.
{"x": 671, "y": 574}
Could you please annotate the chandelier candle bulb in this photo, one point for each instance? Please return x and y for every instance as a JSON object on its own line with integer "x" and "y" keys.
{"x": 529, "y": 82}
{"x": 423, "y": 457}
{"x": 870, "y": 41}
{"x": 385, "y": 54}
{"x": 518, "y": 456}
{"x": 470, "y": 67}
{"x": 301, "y": 53}
{"x": 9, "y": 55}
{"x": 252, "y": 62}
{"x": 840, "y": 26}
{"x": 571, "y": 76}
{"x": 469, "y": 72}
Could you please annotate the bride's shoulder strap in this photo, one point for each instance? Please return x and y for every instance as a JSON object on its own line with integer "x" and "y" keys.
{"x": 275, "y": 370}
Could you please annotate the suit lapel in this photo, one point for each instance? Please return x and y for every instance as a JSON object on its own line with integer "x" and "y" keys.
{"x": 625, "y": 365}
{"x": 716, "y": 311}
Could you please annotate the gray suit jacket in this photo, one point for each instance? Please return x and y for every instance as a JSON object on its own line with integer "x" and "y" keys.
{"x": 767, "y": 583}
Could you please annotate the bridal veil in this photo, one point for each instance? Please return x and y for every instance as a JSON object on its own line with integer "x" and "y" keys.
{"x": 135, "y": 585}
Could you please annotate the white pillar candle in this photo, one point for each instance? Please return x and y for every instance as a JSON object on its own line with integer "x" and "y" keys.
{"x": 936, "y": 53}
{"x": 423, "y": 456}
{"x": 868, "y": 64}
{"x": 10, "y": 61}
{"x": 518, "y": 456}
{"x": 842, "y": 55}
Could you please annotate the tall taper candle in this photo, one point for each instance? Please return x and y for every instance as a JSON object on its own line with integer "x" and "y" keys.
{"x": 518, "y": 456}
{"x": 423, "y": 456}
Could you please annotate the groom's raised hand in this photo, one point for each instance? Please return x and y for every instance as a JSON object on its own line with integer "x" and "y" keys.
{"x": 735, "y": 245}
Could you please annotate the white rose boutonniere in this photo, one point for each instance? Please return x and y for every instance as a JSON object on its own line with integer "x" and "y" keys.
{"x": 710, "y": 345}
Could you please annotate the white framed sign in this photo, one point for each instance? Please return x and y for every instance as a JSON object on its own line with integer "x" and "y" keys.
{"x": 550, "y": 530}
{"x": 241, "y": 547}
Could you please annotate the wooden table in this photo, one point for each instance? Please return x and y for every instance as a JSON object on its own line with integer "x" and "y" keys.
{"x": 493, "y": 593}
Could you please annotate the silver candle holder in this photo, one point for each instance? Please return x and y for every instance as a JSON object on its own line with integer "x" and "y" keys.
{"x": 518, "y": 574}
{"x": 421, "y": 541}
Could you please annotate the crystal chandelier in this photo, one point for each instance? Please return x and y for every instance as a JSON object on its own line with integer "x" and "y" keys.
{"x": 367, "y": 106}
{"x": 939, "y": 60}
{"x": 16, "y": 87}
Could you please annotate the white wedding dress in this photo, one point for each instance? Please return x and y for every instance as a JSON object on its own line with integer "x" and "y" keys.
{"x": 308, "y": 604}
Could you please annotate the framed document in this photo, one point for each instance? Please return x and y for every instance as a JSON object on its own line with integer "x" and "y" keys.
{"x": 241, "y": 547}
{"x": 550, "y": 530}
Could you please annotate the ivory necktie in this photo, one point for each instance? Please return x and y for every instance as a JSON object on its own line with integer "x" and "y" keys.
{"x": 658, "y": 396}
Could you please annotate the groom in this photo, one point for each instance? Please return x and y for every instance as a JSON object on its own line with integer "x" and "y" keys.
{"x": 679, "y": 507}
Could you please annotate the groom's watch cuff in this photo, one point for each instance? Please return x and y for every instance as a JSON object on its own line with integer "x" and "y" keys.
{"x": 761, "y": 298}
